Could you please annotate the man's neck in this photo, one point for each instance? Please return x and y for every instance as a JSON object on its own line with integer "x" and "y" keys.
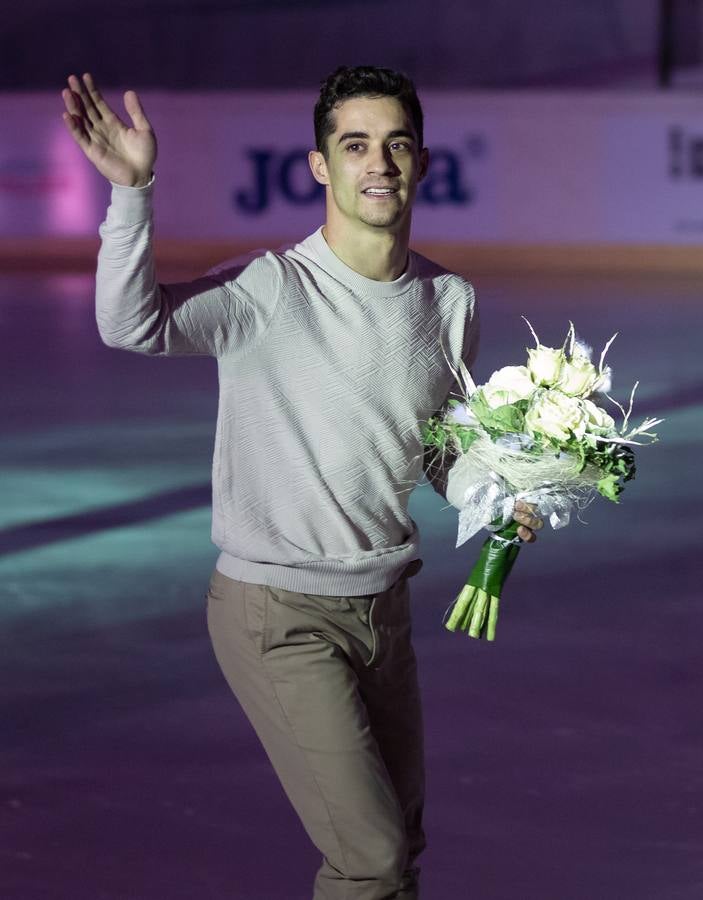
{"x": 376, "y": 254}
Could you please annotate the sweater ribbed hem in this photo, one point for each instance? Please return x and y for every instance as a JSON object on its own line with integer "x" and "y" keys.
{"x": 333, "y": 577}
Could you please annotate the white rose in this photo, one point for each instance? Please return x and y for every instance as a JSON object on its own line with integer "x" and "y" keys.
{"x": 494, "y": 397}
{"x": 599, "y": 422}
{"x": 578, "y": 377}
{"x": 507, "y": 385}
{"x": 544, "y": 365}
{"x": 556, "y": 415}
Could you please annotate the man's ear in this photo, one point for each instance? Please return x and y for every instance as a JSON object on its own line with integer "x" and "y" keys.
{"x": 318, "y": 167}
{"x": 424, "y": 163}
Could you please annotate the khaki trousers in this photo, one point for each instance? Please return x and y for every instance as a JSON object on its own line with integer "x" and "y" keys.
{"x": 330, "y": 687}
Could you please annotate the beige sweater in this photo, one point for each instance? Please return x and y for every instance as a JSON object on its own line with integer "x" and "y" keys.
{"x": 325, "y": 378}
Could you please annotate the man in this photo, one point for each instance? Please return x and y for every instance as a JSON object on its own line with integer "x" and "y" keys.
{"x": 330, "y": 355}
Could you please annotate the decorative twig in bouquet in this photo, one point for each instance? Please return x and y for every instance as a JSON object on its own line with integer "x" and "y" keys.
{"x": 536, "y": 433}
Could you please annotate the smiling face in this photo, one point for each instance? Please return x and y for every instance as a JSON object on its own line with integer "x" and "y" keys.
{"x": 371, "y": 166}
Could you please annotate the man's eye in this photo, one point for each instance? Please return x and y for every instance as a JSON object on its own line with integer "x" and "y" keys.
{"x": 354, "y": 147}
{"x": 399, "y": 145}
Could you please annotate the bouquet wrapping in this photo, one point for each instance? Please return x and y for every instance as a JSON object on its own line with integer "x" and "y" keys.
{"x": 537, "y": 433}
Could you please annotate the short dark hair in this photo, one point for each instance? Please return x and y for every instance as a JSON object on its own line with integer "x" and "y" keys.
{"x": 363, "y": 81}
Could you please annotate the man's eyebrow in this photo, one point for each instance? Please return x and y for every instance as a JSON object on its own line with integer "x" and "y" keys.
{"x": 352, "y": 134}
{"x": 399, "y": 132}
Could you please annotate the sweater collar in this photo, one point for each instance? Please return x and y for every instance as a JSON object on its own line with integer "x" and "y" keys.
{"x": 320, "y": 250}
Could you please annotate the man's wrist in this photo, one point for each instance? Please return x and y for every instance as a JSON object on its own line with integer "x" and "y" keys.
{"x": 144, "y": 182}
{"x": 138, "y": 185}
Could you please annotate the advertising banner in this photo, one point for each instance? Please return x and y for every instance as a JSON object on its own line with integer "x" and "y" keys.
{"x": 506, "y": 167}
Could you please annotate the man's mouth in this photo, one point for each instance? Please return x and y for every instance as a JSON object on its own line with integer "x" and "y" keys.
{"x": 379, "y": 191}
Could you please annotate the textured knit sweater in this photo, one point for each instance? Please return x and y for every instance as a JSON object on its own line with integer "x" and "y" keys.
{"x": 325, "y": 378}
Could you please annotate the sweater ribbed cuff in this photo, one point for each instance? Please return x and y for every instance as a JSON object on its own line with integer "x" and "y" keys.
{"x": 132, "y": 204}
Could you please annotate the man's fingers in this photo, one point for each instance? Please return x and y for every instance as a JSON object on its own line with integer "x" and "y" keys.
{"x": 92, "y": 99}
{"x": 526, "y": 514}
{"x": 83, "y": 99}
{"x": 527, "y": 519}
{"x": 72, "y": 103}
{"x": 74, "y": 120}
{"x": 95, "y": 98}
{"x": 84, "y": 105}
{"x": 526, "y": 534}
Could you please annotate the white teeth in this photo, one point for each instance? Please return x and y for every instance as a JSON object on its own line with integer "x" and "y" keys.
{"x": 378, "y": 191}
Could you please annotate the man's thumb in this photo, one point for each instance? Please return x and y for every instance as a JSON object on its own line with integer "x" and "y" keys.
{"x": 135, "y": 110}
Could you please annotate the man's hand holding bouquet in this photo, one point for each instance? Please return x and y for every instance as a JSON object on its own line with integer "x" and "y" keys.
{"x": 536, "y": 433}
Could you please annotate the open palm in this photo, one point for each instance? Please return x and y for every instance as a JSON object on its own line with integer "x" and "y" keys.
{"x": 122, "y": 154}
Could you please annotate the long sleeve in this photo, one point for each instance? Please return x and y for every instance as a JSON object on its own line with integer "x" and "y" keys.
{"x": 212, "y": 315}
{"x": 436, "y": 469}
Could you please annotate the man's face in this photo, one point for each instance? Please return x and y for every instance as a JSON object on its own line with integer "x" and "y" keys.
{"x": 372, "y": 165}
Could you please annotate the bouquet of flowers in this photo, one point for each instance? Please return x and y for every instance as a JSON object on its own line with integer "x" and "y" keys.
{"x": 536, "y": 433}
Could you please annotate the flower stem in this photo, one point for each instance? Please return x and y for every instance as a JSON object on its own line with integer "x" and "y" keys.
{"x": 475, "y": 610}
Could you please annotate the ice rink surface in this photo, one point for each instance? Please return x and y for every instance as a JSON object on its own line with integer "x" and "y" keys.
{"x": 565, "y": 760}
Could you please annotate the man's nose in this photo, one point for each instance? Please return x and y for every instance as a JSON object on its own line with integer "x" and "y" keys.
{"x": 380, "y": 162}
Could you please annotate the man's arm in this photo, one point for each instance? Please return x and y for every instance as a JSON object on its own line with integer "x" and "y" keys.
{"x": 211, "y": 315}
{"x": 437, "y": 468}
{"x": 436, "y": 464}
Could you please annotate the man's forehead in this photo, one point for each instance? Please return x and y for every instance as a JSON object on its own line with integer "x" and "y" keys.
{"x": 371, "y": 114}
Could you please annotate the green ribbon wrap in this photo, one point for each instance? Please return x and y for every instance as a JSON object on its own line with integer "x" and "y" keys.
{"x": 475, "y": 610}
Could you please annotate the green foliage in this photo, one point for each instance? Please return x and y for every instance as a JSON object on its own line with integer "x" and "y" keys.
{"x": 466, "y": 436}
{"x": 502, "y": 419}
{"x": 610, "y": 487}
{"x": 434, "y": 433}
{"x": 437, "y": 434}
{"x": 617, "y": 461}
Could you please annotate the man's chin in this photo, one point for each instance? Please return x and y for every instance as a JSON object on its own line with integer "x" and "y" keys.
{"x": 382, "y": 219}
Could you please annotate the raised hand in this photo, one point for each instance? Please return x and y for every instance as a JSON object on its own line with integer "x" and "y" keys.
{"x": 122, "y": 154}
